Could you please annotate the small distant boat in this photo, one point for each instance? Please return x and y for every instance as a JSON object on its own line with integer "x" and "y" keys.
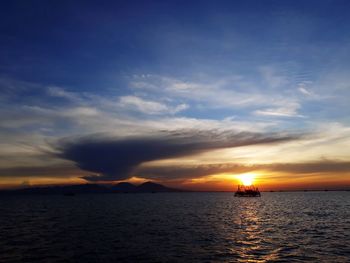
{"x": 247, "y": 191}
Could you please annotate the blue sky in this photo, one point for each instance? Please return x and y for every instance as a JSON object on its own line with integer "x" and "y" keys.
{"x": 71, "y": 69}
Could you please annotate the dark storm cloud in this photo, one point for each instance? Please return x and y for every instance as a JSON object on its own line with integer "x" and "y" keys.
{"x": 116, "y": 158}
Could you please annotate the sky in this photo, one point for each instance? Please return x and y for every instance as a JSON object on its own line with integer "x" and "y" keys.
{"x": 191, "y": 94}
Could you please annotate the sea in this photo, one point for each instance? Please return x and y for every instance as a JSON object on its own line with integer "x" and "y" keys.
{"x": 176, "y": 227}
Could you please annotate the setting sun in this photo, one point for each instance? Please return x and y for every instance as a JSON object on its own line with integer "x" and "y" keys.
{"x": 246, "y": 179}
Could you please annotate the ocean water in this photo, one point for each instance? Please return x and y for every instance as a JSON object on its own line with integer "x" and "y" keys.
{"x": 176, "y": 227}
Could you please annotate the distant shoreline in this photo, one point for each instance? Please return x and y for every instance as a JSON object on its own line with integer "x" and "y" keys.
{"x": 35, "y": 192}
{"x": 129, "y": 188}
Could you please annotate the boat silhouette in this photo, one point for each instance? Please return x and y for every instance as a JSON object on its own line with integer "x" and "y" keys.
{"x": 247, "y": 191}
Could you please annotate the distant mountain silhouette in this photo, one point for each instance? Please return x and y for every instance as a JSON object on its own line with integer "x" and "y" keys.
{"x": 70, "y": 190}
{"x": 153, "y": 187}
{"x": 124, "y": 187}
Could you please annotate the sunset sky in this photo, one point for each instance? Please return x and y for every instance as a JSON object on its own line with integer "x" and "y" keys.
{"x": 191, "y": 94}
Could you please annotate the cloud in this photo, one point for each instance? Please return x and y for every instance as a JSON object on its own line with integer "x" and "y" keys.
{"x": 53, "y": 171}
{"x": 116, "y": 158}
{"x": 304, "y": 91}
{"x": 322, "y": 166}
{"x": 135, "y": 103}
{"x": 190, "y": 171}
{"x": 12, "y": 88}
{"x": 202, "y": 170}
{"x": 28, "y": 122}
{"x": 289, "y": 109}
{"x": 62, "y": 93}
{"x": 227, "y": 92}
{"x": 272, "y": 78}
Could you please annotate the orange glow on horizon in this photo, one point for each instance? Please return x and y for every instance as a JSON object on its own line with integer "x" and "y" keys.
{"x": 265, "y": 180}
{"x": 247, "y": 179}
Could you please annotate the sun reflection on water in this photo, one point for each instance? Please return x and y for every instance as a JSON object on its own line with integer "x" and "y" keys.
{"x": 251, "y": 241}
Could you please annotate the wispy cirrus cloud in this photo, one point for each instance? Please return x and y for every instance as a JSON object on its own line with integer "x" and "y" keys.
{"x": 289, "y": 109}
{"x": 134, "y": 103}
{"x": 279, "y": 97}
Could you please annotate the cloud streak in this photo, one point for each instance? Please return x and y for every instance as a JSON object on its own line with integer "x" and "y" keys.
{"x": 149, "y": 107}
{"x": 202, "y": 170}
{"x": 53, "y": 171}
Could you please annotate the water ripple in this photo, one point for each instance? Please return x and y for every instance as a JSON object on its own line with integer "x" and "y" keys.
{"x": 176, "y": 227}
